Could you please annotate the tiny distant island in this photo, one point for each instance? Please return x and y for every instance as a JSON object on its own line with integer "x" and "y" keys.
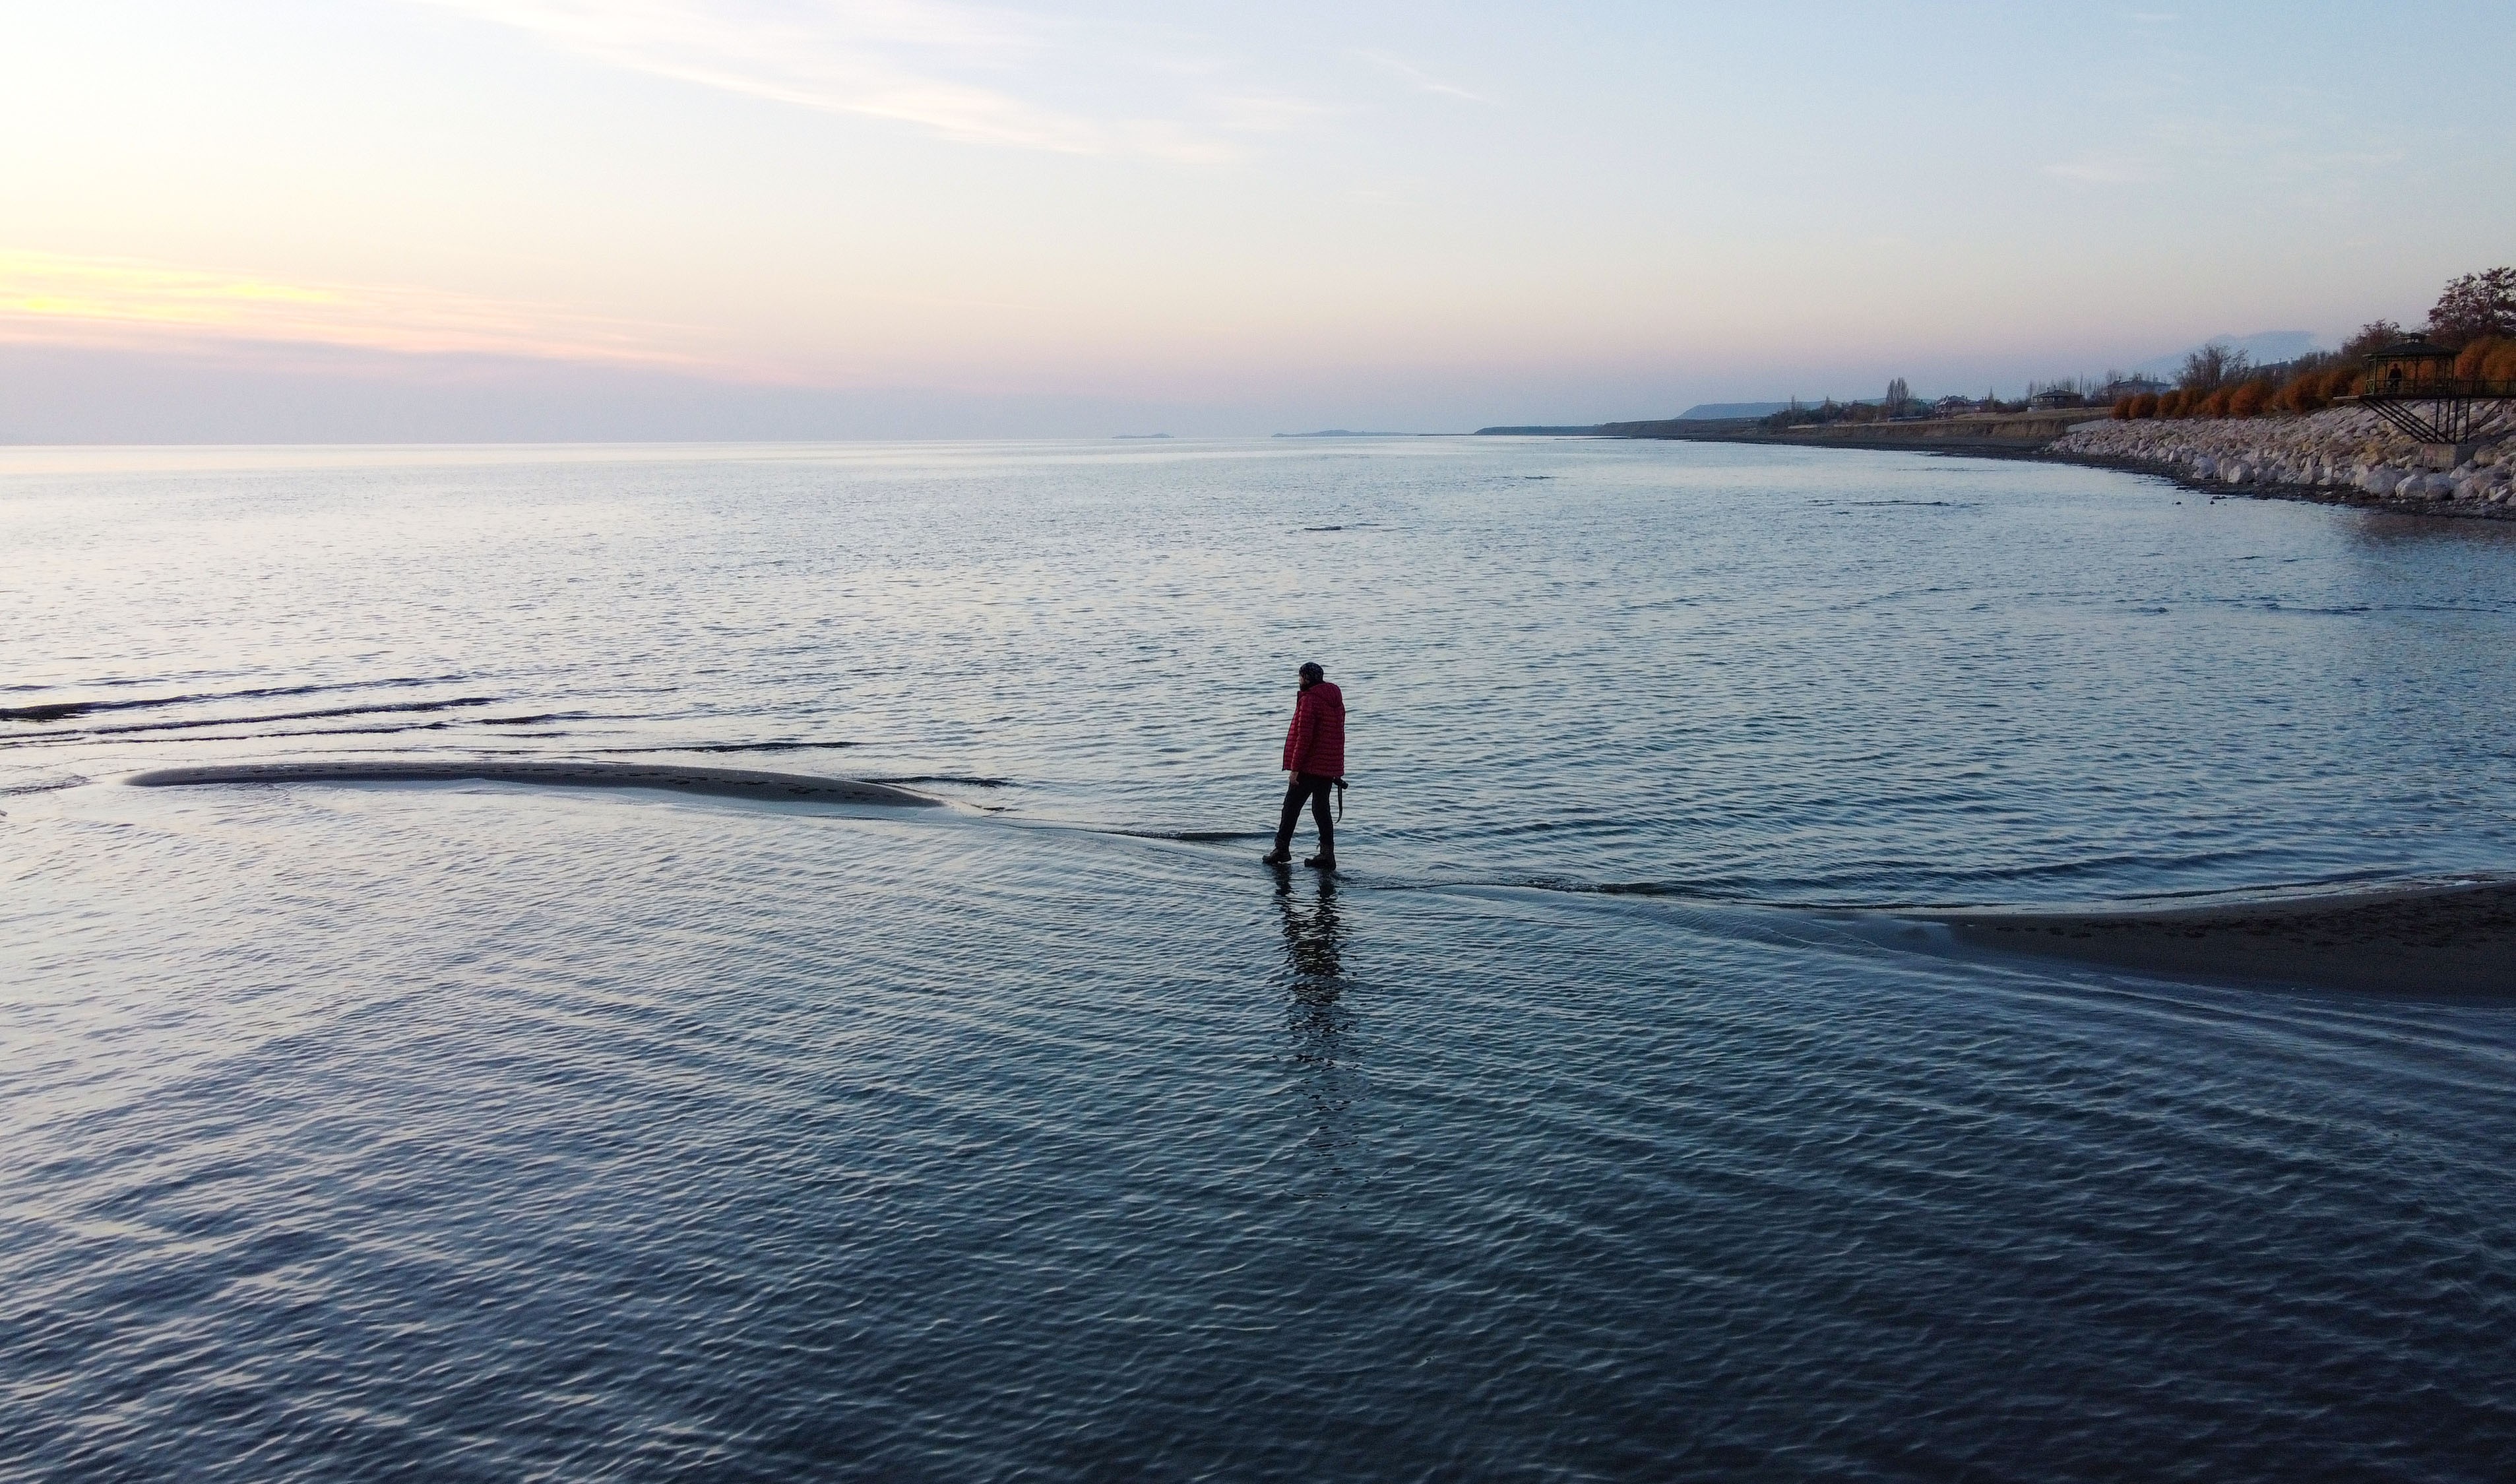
{"x": 1341, "y": 432}
{"x": 1128, "y": 435}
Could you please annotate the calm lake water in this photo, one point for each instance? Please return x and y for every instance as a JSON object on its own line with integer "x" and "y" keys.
{"x": 466, "y": 1131}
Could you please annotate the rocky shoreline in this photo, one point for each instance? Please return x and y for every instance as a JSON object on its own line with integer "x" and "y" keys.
{"x": 2340, "y": 455}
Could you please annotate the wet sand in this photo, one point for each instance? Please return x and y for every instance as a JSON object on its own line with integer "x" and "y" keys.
{"x": 2456, "y": 939}
{"x": 723, "y": 782}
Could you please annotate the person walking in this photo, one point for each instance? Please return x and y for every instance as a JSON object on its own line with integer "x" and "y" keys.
{"x": 1314, "y": 755}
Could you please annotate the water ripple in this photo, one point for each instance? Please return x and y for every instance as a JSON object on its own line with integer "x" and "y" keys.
{"x": 458, "y": 1131}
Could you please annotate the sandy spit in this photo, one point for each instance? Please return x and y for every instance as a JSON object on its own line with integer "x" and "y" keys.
{"x": 725, "y": 782}
{"x": 2457, "y": 938}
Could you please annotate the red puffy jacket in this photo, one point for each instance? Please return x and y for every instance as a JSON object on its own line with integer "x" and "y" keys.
{"x": 1315, "y": 744}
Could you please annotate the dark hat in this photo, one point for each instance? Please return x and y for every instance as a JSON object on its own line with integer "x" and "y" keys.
{"x": 1313, "y": 671}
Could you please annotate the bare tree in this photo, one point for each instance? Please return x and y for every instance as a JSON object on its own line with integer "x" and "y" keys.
{"x": 2372, "y": 337}
{"x": 2213, "y": 366}
{"x": 1898, "y": 398}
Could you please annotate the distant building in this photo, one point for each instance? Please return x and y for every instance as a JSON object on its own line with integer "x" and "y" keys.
{"x": 1953, "y": 406}
{"x": 2130, "y": 385}
{"x": 2055, "y": 398}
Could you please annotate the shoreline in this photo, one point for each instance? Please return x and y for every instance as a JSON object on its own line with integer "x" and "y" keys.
{"x": 2043, "y": 450}
{"x": 2455, "y": 938}
{"x": 2308, "y": 494}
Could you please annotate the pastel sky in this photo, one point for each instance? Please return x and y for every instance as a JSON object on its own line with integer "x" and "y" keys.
{"x": 320, "y": 219}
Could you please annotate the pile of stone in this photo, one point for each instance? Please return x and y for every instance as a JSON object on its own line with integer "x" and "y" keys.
{"x": 2343, "y": 449}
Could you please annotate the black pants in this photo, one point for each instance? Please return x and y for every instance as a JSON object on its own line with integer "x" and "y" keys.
{"x": 1313, "y": 787}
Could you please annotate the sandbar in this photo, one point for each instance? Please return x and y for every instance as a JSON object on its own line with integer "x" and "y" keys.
{"x": 723, "y": 782}
{"x": 2428, "y": 938}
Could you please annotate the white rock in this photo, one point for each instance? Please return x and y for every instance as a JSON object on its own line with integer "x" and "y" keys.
{"x": 2380, "y": 480}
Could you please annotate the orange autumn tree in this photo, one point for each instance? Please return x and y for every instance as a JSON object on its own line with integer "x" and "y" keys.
{"x": 2475, "y": 315}
{"x": 2490, "y": 358}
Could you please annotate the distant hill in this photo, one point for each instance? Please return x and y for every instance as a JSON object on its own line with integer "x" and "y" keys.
{"x": 1702, "y": 412}
{"x": 1341, "y": 432}
{"x": 2267, "y": 347}
{"x": 1708, "y": 411}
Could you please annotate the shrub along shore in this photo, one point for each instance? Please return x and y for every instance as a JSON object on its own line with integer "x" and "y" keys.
{"x": 2310, "y": 385}
{"x": 2289, "y": 429}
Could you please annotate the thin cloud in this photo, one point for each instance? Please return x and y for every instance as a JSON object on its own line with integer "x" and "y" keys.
{"x": 1268, "y": 113}
{"x": 2099, "y": 170}
{"x": 918, "y": 63}
{"x": 59, "y": 299}
{"x": 1421, "y": 80}
{"x": 2332, "y": 164}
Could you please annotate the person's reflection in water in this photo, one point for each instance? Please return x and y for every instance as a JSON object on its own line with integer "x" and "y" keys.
{"x": 1320, "y": 1023}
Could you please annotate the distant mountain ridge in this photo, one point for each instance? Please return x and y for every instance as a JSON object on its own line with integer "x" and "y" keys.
{"x": 2264, "y": 347}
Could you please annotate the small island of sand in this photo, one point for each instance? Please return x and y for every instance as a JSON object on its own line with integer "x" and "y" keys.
{"x": 2453, "y": 938}
{"x": 723, "y": 782}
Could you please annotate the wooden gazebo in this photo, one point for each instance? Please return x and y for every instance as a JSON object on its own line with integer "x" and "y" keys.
{"x": 2411, "y": 385}
{"x": 2407, "y": 364}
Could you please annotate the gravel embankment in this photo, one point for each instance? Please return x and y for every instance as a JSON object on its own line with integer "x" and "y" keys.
{"x": 2341, "y": 452}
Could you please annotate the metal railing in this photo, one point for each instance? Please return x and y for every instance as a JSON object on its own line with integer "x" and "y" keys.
{"x": 2431, "y": 388}
{"x": 2433, "y": 409}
